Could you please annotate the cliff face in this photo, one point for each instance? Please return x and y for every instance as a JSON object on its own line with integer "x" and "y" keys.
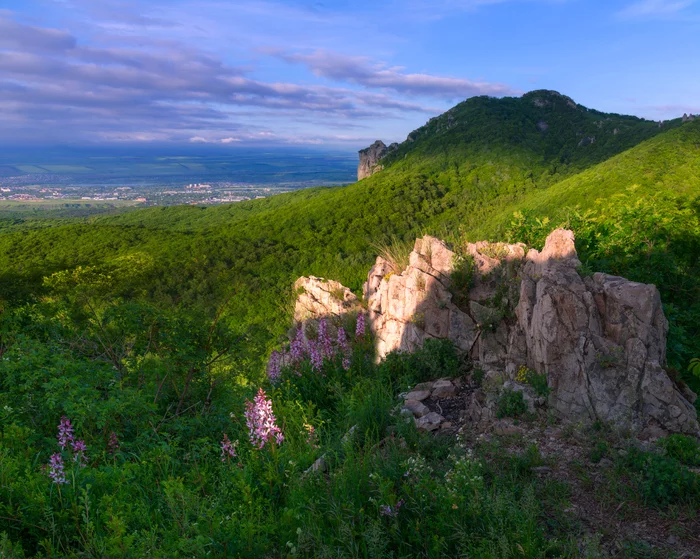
{"x": 600, "y": 340}
{"x": 370, "y": 158}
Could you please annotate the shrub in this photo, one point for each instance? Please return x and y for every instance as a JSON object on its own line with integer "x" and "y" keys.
{"x": 538, "y": 381}
{"x": 683, "y": 448}
{"x": 463, "y": 273}
{"x": 438, "y": 358}
{"x": 511, "y": 404}
{"x": 663, "y": 480}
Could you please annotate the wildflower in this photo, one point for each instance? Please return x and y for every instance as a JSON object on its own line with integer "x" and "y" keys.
{"x": 65, "y": 432}
{"x": 228, "y": 449}
{"x": 360, "y": 328}
{"x": 344, "y": 347}
{"x": 56, "y": 470}
{"x": 274, "y": 366}
{"x": 297, "y": 348}
{"x": 113, "y": 444}
{"x": 261, "y": 422}
{"x": 310, "y": 435}
{"x": 79, "y": 449}
{"x": 324, "y": 339}
{"x": 316, "y": 357}
{"x": 388, "y": 510}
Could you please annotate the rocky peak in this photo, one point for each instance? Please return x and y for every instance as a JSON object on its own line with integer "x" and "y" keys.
{"x": 370, "y": 158}
{"x": 600, "y": 340}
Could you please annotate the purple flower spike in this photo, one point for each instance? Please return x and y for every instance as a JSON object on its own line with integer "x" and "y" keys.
{"x": 274, "y": 367}
{"x": 228, "y": 449}
{"x": 113, "y": 444}
{"x": 79, "y": 452}
{"x": 261, "y": 422}
{"x": 324, "y": 339}
{"x": 388, "y": 510}
{"x": 360, "y": 328}
{"x": 316, "y": 357}
{"x": 297, "y": 348}
{"x": 65, "y": 432}
{"x": 56, "y": 470}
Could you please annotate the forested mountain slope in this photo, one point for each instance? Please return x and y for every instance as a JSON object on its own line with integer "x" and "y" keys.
{"x": 137, "y": 418}
{"x": 464, "y": 173}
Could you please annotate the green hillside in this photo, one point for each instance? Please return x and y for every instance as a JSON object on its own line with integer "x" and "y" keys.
{"x": 152, "y": 327}
{"x": 492, "y": 162}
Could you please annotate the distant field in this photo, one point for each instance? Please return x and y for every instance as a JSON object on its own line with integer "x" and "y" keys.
{"x": 65, "y": 204}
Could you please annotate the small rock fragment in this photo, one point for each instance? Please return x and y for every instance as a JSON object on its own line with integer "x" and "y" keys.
{"x": 423, "y": 386}
{"x": 429, "y": 422}
{"x": 418, "y": 395}
{"x": 506, "y": 429}
{"x": 418, "y": 409}
{"x": 443, "y": 389}
{"x": 319, "y": 465}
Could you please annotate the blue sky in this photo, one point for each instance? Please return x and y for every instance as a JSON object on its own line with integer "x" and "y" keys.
{"x": 332, "y": 72}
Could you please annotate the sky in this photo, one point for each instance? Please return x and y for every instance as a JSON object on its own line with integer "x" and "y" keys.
{"x": 338, "y": 73}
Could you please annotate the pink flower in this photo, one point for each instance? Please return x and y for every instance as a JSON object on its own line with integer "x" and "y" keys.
{"x": 360, "y": 328}
{"x": 261, "y": 422}
{"x": 65, "y": 432}
{"x": 56, "y": 469}
{"x": 228, "y": 449}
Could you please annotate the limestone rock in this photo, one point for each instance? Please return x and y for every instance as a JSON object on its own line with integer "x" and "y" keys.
{"x": 418, "y": 395}
{"x": 429, "y": 422}
{"x": 424, "y": 386}
{"x": 444, "y": 389}
{"x": 600, "y": 340}
{"x": 320, "y": 298}
{"x": 370, "y": 158}
{"x": 407, "y": 308}
{"x": 417, "y": 408}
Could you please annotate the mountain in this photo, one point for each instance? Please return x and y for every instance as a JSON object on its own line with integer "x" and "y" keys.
{"x": 137, "y": 417}
{"x": 468, "y": 170}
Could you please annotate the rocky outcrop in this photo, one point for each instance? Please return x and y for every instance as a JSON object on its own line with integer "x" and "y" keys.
{"x": 370, "y": 158}
{"x": 688, "y": 117}
{"x": 600, "y": 340}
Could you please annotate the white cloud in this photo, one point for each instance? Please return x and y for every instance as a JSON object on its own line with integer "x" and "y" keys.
{"x": 655, "y": 8}
{"x": 362, "y": 71}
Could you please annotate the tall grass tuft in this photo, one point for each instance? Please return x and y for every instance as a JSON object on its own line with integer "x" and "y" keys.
{"x": 395, "y": 251}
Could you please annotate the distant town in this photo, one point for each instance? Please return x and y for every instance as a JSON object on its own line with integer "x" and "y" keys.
{"x": 23, "y": 189}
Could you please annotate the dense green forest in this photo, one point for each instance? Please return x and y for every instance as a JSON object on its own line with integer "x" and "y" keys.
{"x": 149, "y": 329}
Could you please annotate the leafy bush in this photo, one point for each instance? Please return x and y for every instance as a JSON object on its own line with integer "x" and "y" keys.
{"x": 663, "y": 480}
{"x": 683, "y": 448}
{"x": 511, "y": 404}
{"x": 538, "y": 381}
{"x": 462, "y": 277}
